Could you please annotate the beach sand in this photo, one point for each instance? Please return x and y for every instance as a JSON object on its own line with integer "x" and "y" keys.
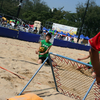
{"x": 19, "y": 57}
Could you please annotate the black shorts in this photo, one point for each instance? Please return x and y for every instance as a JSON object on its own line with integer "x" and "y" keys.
{"x": 89, "y": 66}
{"x": 43, "y": 58}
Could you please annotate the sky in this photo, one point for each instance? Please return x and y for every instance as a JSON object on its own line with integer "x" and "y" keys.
{"x": 69, "y": 5}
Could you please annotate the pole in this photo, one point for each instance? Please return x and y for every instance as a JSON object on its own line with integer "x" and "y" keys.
{"x": 20, "y": 4}
{"x": 89, "y": 89}
{"x": 33, "y": 76}
{"x": 82, "y": 22}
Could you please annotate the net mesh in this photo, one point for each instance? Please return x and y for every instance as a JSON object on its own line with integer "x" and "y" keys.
{"x": 71, "y": 82}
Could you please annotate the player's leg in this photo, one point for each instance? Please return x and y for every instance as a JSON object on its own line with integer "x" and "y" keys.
{"x": 95, "y": 62}
{"x": 41, "y": 60}
{"x": 95, "y": 47}
{"x": 48, "y": 62}
{"x": 93, "y": 75}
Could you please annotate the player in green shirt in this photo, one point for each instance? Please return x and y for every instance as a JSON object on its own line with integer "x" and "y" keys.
{"x": 47, "y": 45}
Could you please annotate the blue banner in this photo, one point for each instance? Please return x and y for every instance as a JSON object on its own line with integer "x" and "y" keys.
{"x": 68, "y": 44}
{"x": 28, "y": 37}
{"x": 5, "y": 32}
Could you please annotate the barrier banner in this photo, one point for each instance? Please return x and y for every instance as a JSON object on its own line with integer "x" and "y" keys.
{"x": 64, "y": 28}
{"x": 28, "y": 37}
{"x": 5, "y": 32}
{"x": 68, "y": 44}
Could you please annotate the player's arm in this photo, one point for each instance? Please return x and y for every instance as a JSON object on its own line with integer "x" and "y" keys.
{"x": 37, "y": 51}
{"x": 83, "y": 58}
{"x": 95, "y": 62}
{"x": 47, "y": 50}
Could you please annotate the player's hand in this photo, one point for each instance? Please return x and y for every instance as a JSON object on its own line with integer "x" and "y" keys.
{"x": 36, "y": 52}
{"x": 42, "y": 53}
{"x": 79, "y": 59}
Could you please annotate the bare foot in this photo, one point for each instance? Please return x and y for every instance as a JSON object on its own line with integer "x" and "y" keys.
{"x": 93, "y": 75}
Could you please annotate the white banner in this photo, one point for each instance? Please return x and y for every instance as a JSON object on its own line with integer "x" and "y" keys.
{"x": 64, "y": 28}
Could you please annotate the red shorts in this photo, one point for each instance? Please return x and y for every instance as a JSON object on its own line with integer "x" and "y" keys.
{"x": 95, "y": 42}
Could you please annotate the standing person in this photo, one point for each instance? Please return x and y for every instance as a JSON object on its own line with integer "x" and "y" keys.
{"x": 66, "y": 38}
{"x": 12, "y": 23}
{"x": 56, "y": 35}
{"x": 26, "y": 29}
{"x": 46, "y": 32}
{"x": 95, "y": 47}
{"x": 35, "y": 30}
{"x": 69, "y": 38}
{"x": 72, "y": 40}
{"x": 47, "y": 45}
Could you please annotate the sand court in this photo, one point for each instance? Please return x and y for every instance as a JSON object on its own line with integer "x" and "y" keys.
{"x": 21, "y": 59}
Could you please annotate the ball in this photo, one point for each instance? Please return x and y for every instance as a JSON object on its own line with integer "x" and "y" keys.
{"x": 41, "y": 49}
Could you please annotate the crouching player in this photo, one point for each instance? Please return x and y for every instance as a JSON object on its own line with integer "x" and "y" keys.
{"x": 46, "y": 45}
{"x": 94, "y": 55}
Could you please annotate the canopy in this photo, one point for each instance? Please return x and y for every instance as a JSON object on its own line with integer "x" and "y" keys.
{"x": 86, "y": 38}
{"x": 72, "y": 36}
{"x": 44, "y": 28}
{"x": 63, "y": 34}
{"x": 75, "y": 36}
{"x": 82, "y": 36}
{"x": 31, "y": 26}
{"x": 68, "y": 34}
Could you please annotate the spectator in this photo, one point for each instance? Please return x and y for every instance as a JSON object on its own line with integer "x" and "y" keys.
{"x": 27, "y": 25}
{"x": 30, "y": 29}
{"x": 69, "y": 38}
{"x": 4, "y": 21}
{"x": 72, "y": 40}
{"x": 56, "y": 35}
{"x": 47, "y": 32}
{"x": 12, "y": 23}
{"x": 61, "y": 37}
{"x": 41, "y": 30}
{"x": 66, "y": 38}
{"x": 26, "y": 29}
{"x": 35, "y": 30}
{"x": 23, "y": 24}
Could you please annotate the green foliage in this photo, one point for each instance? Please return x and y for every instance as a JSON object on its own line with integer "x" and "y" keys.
{"x": 9, "y": 7}
{"x": 92, "y": 19}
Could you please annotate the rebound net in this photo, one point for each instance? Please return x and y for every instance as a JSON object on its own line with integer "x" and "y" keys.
{"x": 71, "y": 82}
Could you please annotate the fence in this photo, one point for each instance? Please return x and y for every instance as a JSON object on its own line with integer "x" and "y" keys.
{"x": 5, "y": 32}
{"x": 31, "y": 37}
{"x": 68, "y": 44}
{"x": 69, "y": 81}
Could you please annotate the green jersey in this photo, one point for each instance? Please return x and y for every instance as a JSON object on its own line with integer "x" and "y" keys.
{"x": 90, "y": 61}
{"x": 46, "y": 45}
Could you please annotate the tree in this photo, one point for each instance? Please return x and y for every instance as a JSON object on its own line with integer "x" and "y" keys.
{"x": 9, "y": 7}
{"x": 36, "y": 10}
{"x": 92, "y": 19}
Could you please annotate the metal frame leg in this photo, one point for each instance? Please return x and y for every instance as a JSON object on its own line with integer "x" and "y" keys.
{"x": 33, "y": 76}
{"x": 53, "y": 72}
{"x": 89, "y": 89}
